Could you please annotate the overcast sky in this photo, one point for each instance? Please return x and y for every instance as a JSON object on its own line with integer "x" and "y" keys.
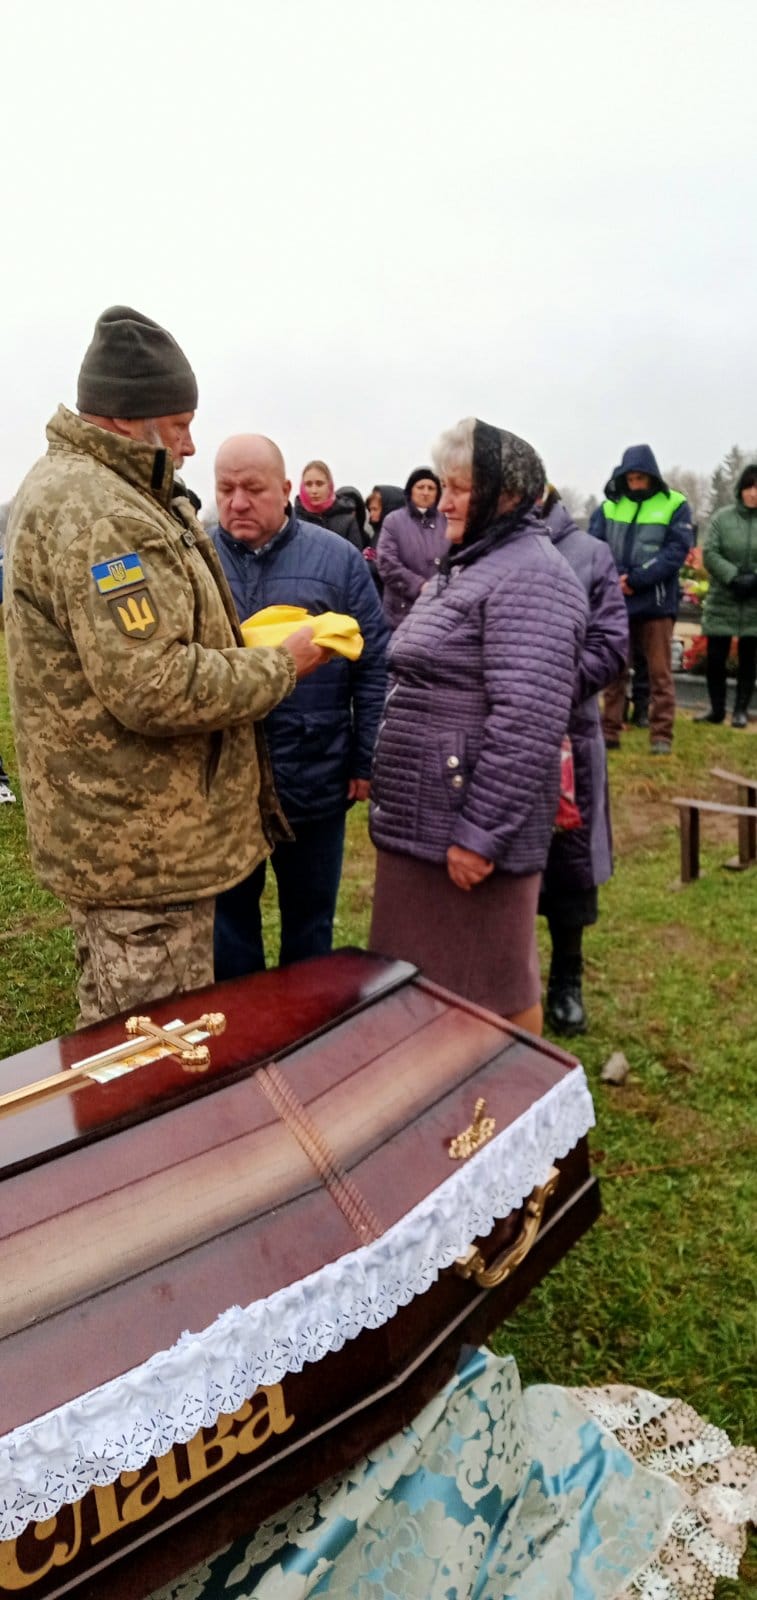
{"x": 363, "y": 221}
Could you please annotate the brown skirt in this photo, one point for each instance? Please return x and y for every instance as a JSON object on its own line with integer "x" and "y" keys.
{"x": 479, "y": 942}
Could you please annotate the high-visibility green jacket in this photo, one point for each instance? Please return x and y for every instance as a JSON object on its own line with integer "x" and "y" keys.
{"x": 650, "y": 540}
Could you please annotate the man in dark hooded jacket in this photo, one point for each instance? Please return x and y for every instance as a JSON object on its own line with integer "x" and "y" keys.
{"x": 650, "y": 531}
{"x": 636, "y": 708}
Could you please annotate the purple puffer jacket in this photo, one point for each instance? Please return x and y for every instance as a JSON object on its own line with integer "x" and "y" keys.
{"x": 411, "y": 545}
{"x": 480, "y": 687}
{"x": 582, "y": 858}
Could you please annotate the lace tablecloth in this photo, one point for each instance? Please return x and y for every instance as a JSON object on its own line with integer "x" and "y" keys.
{"x": 549, "y": 1494}
{"x": 55, "y": 1459}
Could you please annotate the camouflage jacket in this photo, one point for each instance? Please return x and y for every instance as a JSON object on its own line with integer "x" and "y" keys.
{"x": 143, "y": 775}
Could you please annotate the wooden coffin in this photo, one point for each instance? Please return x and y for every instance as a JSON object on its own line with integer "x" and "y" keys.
{"x": 221, "y": 1286}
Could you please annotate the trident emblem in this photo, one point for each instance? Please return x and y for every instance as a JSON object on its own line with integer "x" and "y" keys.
{"x": 137, "y": 615}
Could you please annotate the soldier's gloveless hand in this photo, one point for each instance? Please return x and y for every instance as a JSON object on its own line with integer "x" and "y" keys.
{"x": 306, "y": 654}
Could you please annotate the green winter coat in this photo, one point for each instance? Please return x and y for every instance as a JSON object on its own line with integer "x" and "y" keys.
{"x": 144, "y": 778}
{"x": 730, "y": 548}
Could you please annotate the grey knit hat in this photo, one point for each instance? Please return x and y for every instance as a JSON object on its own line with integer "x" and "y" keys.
{"x": 133, "y": 368}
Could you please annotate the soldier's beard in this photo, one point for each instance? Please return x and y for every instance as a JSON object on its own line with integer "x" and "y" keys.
{"x": 151, "y": 435}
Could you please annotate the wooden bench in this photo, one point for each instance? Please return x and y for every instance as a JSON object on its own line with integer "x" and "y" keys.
{"x": 746, "y": 795}
{"x": 688, "y": 815}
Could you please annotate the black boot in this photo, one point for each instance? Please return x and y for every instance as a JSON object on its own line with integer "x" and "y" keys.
{"x": 565, "y": 1007}
{"x": 740, "y": 718}
{"x": 639, "y": 717}
{"x": 715, "y": 672}
{"x": 747, "y": 651}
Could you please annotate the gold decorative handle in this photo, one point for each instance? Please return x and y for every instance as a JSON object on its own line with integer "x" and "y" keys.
{"x": 471, "y": 1139}
{"x": 472, "y": 1264}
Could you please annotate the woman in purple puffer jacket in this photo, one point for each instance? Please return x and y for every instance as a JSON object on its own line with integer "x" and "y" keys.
{"x": 411, "y": 544}
{"x": 467, "y": 765}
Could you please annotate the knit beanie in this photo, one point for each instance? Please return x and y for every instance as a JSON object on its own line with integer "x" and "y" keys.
{"x": 133, "y": 368}
{"x": 420, "y": 475}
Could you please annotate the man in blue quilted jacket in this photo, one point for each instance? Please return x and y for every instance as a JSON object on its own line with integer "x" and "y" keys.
{"x": 321, "y": 745}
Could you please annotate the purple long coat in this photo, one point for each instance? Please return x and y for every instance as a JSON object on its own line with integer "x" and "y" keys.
{"x": 481, "y": 676}
{"x": 410, "y": 547}
{"x": 582, "y": 858}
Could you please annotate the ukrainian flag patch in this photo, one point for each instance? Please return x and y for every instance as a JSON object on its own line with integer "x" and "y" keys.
{"x": 118, "y": 574}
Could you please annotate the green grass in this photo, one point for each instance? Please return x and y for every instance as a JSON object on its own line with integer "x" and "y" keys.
{"x": 662, "y": 1291}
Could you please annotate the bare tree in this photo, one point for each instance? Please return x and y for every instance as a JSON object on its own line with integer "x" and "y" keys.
{"x": 726, "y": 475}
{"x": 696, "y": 487}
{"x": 573, "y": 500}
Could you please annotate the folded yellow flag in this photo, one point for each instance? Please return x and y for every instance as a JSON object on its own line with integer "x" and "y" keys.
{"x": 332, "y": 629}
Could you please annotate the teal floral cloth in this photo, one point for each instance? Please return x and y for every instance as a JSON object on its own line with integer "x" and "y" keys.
{"x": 497, "y": 1494}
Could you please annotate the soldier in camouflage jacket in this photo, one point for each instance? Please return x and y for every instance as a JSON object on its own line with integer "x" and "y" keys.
{"x": 145, "y": 780}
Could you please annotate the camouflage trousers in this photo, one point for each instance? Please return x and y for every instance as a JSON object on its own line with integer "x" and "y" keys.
{"x": 129, "y": 955}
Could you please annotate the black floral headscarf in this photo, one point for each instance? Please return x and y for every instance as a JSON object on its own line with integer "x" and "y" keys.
{"x": 503, "y": 463}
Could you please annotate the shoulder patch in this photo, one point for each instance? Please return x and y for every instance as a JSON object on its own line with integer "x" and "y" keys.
{"x": 136, "y": 615}
{"x": 118, "y": 574}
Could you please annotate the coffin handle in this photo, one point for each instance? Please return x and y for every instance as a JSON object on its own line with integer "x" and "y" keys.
{"x": 472, "y": 1264}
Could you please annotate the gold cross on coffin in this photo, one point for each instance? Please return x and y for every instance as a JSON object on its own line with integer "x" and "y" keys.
{"x": 145, "y": 1036}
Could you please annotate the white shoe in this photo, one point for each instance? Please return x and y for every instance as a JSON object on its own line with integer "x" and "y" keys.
{"x": 6, "y": 792}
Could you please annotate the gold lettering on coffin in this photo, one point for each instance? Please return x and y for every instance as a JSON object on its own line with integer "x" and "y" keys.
{"x": 116, "y": 1506}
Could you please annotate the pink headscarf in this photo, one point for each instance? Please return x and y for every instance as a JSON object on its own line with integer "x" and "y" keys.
{"x": 325, "y": 505}
{"x": 305, "y": 499}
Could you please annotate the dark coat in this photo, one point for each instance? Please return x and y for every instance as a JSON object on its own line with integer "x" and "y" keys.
{"x": 410, "y": 548}
{"x": 323, "y": 734}
{"x": 352, "y": 497}
{"x": 340, "y": 518}
{"x": 649, "y": 534}
{"x": 480, "y": 687}
{"x": 392, "y": 499}
{"x": 582, "y": 858}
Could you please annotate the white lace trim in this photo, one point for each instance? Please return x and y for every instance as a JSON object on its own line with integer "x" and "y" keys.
{"x": 632, "y": 1411}
{"x": 684, "y": 1457}
{"x": 702, "y": 1446}
{"x": 57, "y": 1458}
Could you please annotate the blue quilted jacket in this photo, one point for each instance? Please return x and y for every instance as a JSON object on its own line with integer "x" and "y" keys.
{"x": 323, "y": 733}
{"x": 480, "y": 687}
